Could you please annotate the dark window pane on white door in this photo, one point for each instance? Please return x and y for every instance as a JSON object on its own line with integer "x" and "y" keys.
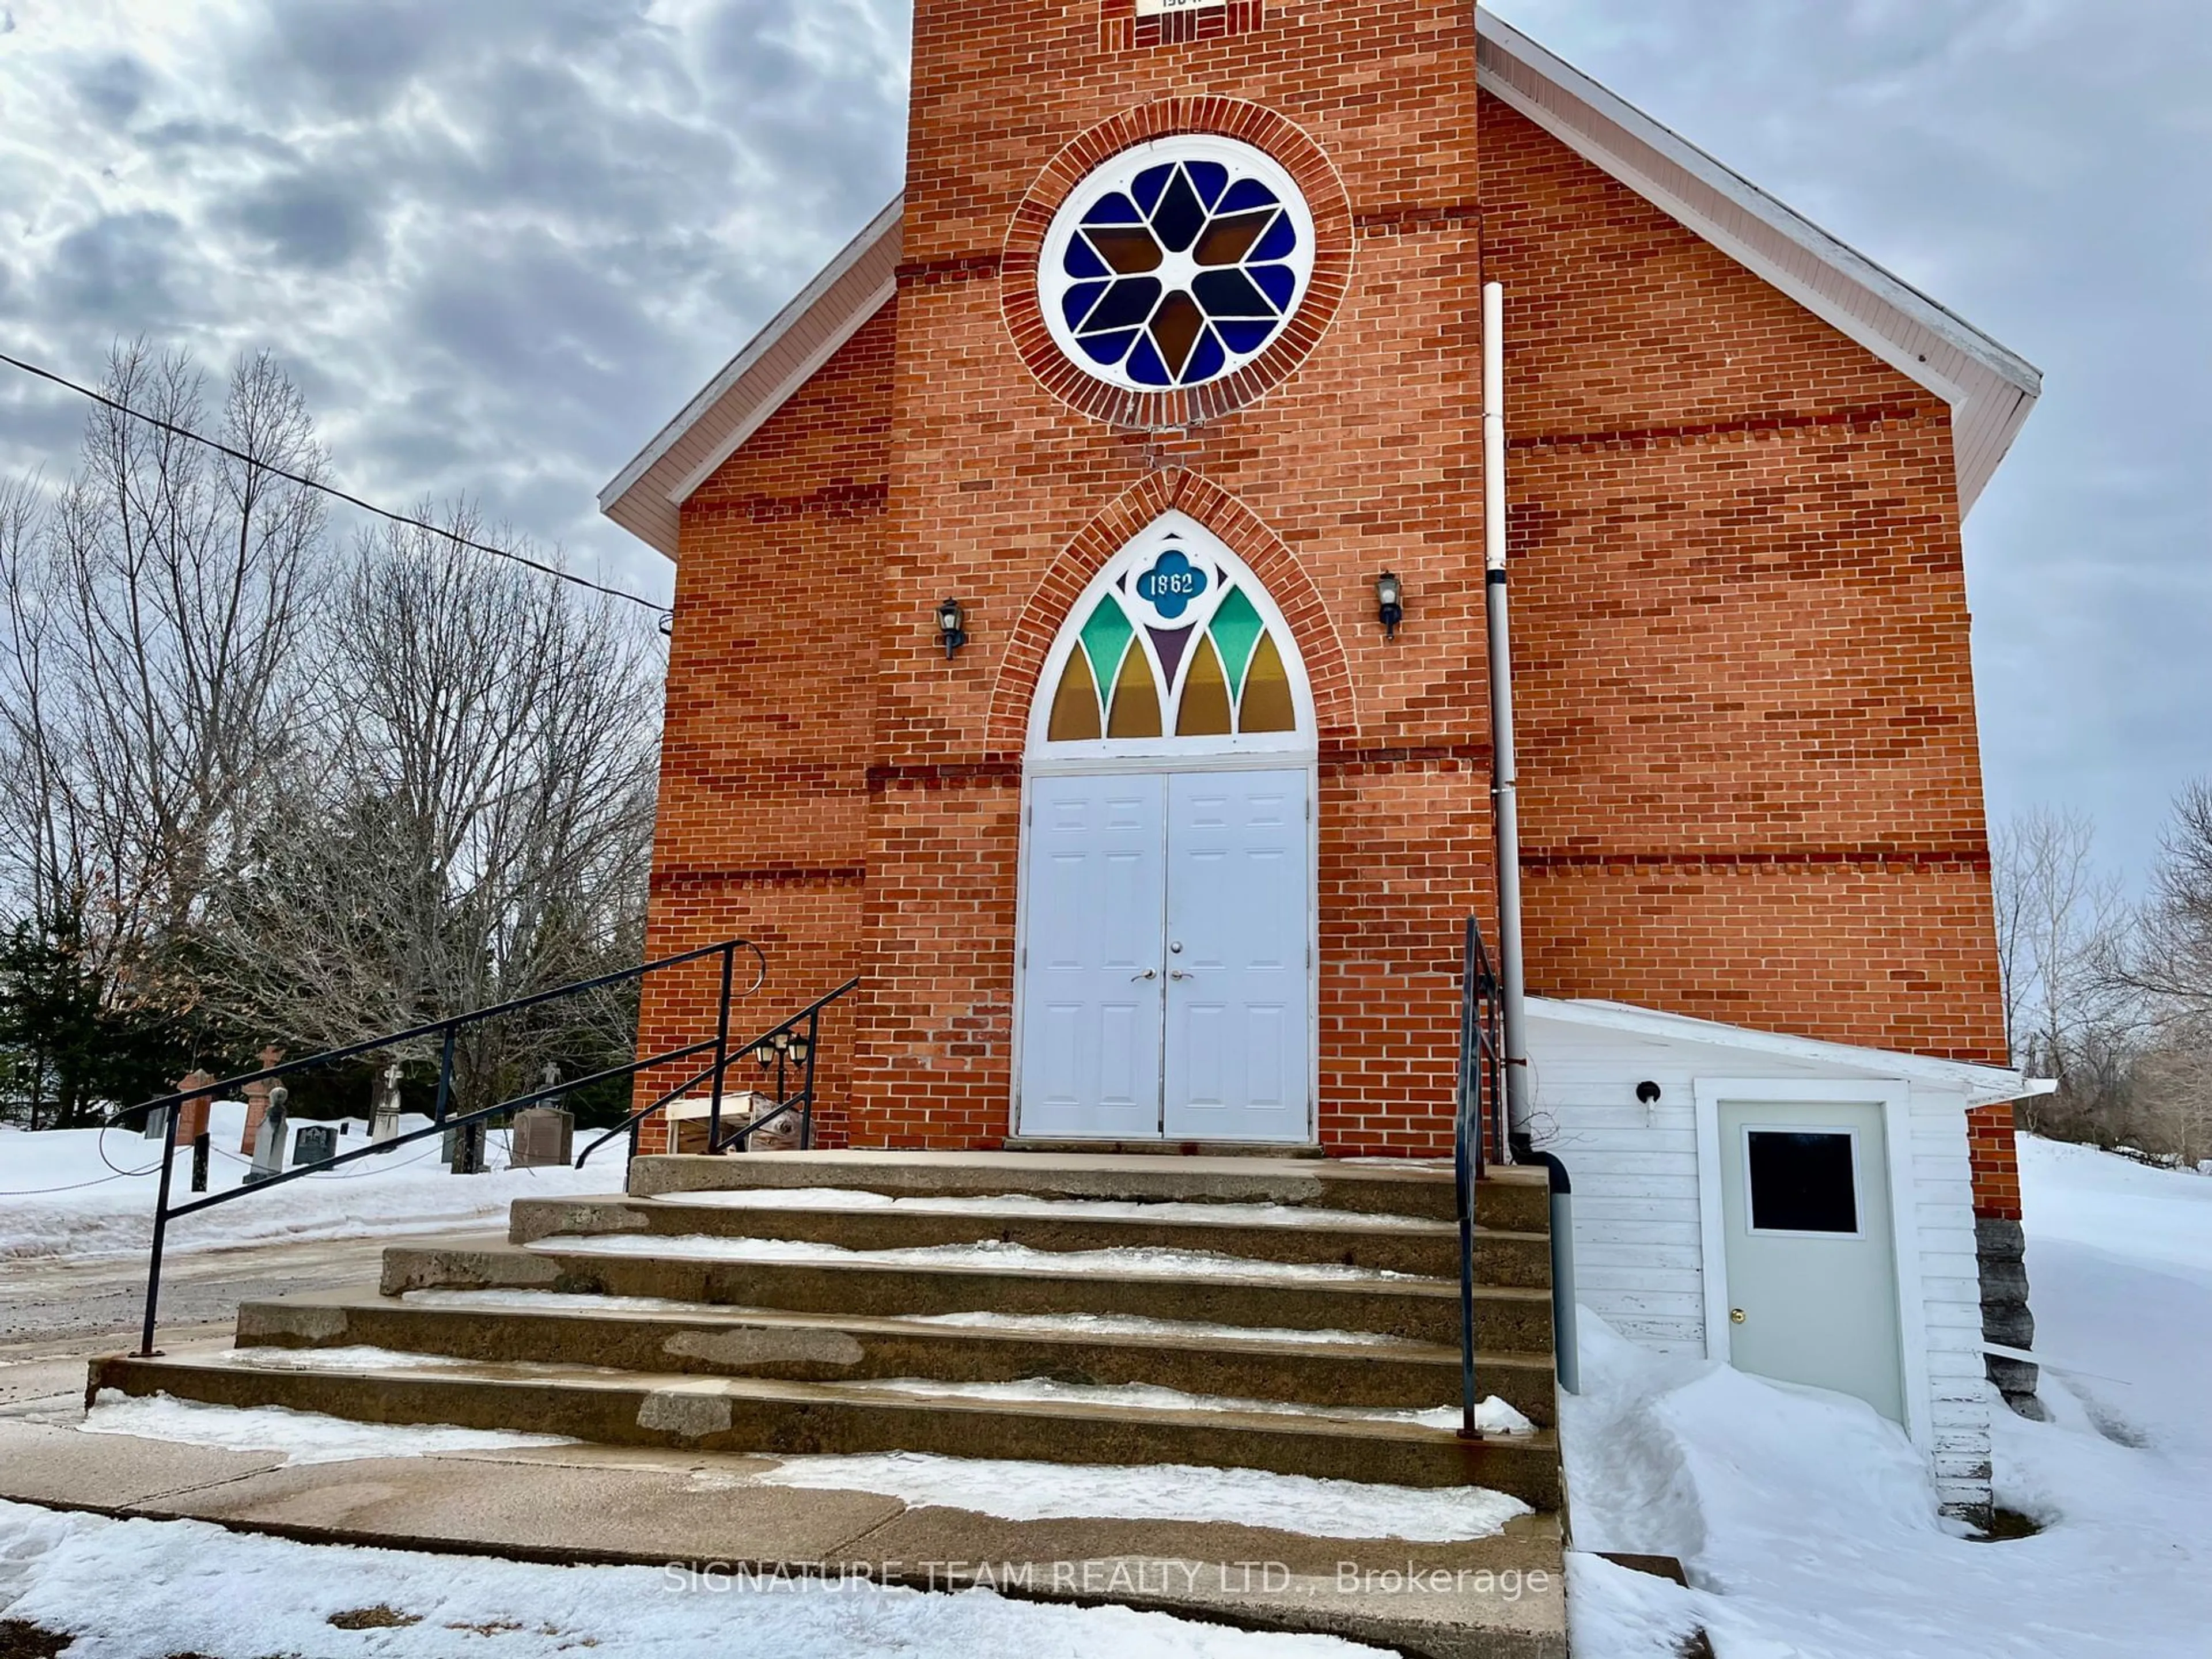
{"x": 1801, "y": 1181}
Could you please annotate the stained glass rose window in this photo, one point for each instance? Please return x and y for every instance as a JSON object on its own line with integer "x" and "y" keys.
{"x": 1176, "y": 263}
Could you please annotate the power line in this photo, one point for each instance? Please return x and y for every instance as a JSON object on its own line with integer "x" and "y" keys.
{"x": 458, "y": 540}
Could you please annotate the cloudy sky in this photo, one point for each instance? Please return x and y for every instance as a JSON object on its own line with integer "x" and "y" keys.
{"x": 501, "y": 241}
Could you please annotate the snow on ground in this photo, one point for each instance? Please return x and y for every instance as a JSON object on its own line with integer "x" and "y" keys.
{"x": 59, "y": 1196}
{"x": 1017, "y": 1490}
{"x": 1807, "y": 1522}
{"x": 193, "y": 1587}
{"x": 997, "y": 1255}
{"x": 302, "y": 1436}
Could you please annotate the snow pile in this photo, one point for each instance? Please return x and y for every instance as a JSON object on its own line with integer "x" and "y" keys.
{"x": 1808, "y": 1523}
{"x": 127, "y": 1589}
{"x": 996, "y": 1256}
{"x": 302, "y": 1436}
{"x": 1017, "y": 1490}
{"x": 59, "y": 1196}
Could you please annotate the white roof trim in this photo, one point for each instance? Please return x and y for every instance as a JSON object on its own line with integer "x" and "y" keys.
{"x": 1983, "y": 1085}
{"x": 846, "y": 328}
{"x": 876, "y": 245}
{"x": 1990, "y": 389}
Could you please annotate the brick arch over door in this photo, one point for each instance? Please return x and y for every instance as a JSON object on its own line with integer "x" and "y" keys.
{"x": 1274, "y": 564}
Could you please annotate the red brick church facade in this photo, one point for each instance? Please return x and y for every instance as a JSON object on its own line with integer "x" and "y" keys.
{"x": 1750, "y": 778}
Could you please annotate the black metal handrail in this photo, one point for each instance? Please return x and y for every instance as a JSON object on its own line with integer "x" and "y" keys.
{"x": 783, "y": 1045}
{"x": 443, "y": 1120}
{"x": 1481, "y": 1055}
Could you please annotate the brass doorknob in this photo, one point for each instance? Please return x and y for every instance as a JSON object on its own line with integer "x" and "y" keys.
{"x": 1735, "y": 1316}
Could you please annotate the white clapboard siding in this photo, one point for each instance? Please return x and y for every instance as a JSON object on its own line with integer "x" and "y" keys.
{"x": 1639, "y": 1241}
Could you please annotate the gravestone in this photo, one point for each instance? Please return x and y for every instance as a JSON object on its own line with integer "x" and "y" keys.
{"x": 314, "y": 1143}
{"x": 543, "y": 1136}
{"x": 268, "y": 1137}
{"x": 383, "y": 1122}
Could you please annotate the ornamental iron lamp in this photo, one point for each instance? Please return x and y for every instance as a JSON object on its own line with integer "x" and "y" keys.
{"x": 1389, "y": 603}
{"x": 952, "y": 626}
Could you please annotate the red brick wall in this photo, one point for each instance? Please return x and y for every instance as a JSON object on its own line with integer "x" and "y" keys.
{"x": 1751, "y": 783}
{"x": 1995, "y": 1157}
{"x": 769, "y": 717}
{"x": 993, "y": 482}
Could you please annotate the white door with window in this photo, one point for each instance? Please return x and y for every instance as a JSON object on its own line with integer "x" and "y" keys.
{"x": 1810, "y": 1254}
{"x": 1168, "y": 909}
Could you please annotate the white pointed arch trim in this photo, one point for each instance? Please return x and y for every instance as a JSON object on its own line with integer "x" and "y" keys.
{"x": 1171, "y": 532}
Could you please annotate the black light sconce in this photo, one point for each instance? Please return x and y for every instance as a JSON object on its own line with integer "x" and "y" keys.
{"x": 1647, "y": 1093}
{"x": 952, "y": 626}
{"x": 1389, "y": 603}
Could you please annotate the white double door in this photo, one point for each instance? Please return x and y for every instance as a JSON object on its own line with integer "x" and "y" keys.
{"x": 1166, "y": 957}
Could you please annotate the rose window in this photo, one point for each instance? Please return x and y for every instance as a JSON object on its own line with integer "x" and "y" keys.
{"x": 1176, "y": 263}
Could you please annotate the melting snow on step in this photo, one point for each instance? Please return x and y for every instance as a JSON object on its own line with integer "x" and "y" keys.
{"x": 301, "y": 1436}
{"x": 994, "y": 1255}
{"x": 566, "y": 1301}
{"x": 1090, "y": 1324}
{"x": 1015, "y": 1490}
{"x": 1492, "y": 1416}
{"x": 1057, "y": 1209}
{"x": 352, "y": 1358}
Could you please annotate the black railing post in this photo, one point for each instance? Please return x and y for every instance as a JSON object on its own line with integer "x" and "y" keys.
{"x": 806, "y": 1110}
{"x": 445, "y": 1075}
{"x": 1466, "y": 1126}
{"x": 161, "y": 1230}
{"x": 721, "y": 1053}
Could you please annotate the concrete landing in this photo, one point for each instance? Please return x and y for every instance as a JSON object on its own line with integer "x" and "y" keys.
{"x": 1496, "y": 1598}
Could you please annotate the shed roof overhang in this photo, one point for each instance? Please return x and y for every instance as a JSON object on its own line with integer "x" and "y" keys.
{"x": 1982, "y": 1086}
{"x": 1990, "y": 389}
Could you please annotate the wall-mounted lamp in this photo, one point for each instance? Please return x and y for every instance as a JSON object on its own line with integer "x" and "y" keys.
{"x": 1389, "y": 603}
{"x": 952, "y": 626}
{"x": 1647, "y": 1093}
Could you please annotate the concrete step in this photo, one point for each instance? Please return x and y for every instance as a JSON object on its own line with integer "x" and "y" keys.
{"x": 872, "y": 1221}
{"x": 746, "y": 1413}
{"x": 701, "y": 1339}
{"x": 1509, "y": 1198}
{"x": 1507, "y": 1318}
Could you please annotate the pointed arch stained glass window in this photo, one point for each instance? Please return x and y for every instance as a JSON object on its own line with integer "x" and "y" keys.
{"x": 1121, "y": 680}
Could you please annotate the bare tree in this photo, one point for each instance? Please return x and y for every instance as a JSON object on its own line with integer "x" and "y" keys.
{"x": 2171, "y": 963}
{"x": 151, "y": 688}
{"x": 154, "y": 674}
{"x": 484, "y": 829}
{"x": 2060, "y": 924}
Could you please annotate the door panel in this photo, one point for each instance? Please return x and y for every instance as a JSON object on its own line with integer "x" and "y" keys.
{"x": 1238, "y": 901}
{"x": 1092, "y": 983}
{"x": 1811, "y": 1258}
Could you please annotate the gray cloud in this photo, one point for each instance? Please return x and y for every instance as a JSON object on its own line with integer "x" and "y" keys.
{"x": 113, "y": 87}
{"x": 321, "y": 221}
{"x": 118, "y": 273}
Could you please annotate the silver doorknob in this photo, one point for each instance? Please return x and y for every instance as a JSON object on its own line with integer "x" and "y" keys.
{"x": 1149, "y": 973}
{"x": 1735, "y": 1316}
{"x": 1179, "y": 973}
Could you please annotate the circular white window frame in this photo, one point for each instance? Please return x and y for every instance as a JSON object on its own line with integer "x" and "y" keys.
{"x": 1119, "y": 172}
